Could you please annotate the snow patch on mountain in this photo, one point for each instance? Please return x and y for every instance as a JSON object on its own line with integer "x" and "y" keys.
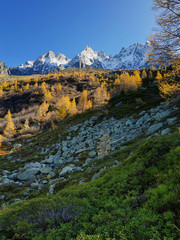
{"x": 132, "y": 57}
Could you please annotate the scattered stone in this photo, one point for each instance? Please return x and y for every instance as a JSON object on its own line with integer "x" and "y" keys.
{"x": 160, "y": 115}
{"x": 67, "y": 169}
{"x": 28, "y": 174}
{"x": 33, "y": 164}
{"x": 17, "y": 145}
{"x": 92, "y": 153}
{"x": 44, "y": 181}
{"x": 51, "y": 175}
{"x": 51, "y": 188}
{"x": 45, "y": 170}
{"x": 94, "y": 118}
{"x": 171, "y": 120}
{"x": 88, "y": 160}
{"x": 119, "y": 104}
{"x": 154, "y": 128}
{"x": 165, "y": 131}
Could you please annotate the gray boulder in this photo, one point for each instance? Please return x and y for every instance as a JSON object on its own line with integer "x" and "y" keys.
{"x": 171, "y": 120}
{"x": 154, "y": 128}
{"x": 67, "y": 169}
{"x": 45, "y": 170}
{"x": 92, "y": 153}
{"x": 160, "y": 115}
{"x": 166, "y": 131}
{"x": 28, "y": 174}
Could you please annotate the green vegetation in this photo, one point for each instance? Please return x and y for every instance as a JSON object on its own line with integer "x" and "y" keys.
{"x": 138, "y": 199}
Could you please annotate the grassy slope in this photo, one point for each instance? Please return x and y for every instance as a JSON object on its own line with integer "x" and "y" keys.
{"x": 138, "y": 199}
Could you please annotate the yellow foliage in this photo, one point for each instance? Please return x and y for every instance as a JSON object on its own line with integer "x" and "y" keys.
{"x": 52, "y": 89}
{"x": 26, "y": 124}
{"x": 64, "y": 101}
{"x": 47, "y": 96}
{"x": 43, "y": 86}
{"x": 1, "y": 140}
{"x": 83, "y": 101}
{"x": 42, "y": 111}
{"x": 61, "y": 112}
{"x": 101, "y": 95}
{"x": 21, "y": 90}
{"x": 169, "y": 90}
{"x": 9, "y": 130}
{"x": 73, "y": 109}
{"x": 126, "y": 83}
{"x": 27, "y": 86}
{"x": 150, "y": 76}
{"x": 159, "y": 76}
{"x": 16, "y": 85}
{"x": 58, "y": 87}
{"x": 117, "y": 81}
{"x": 144, "y": 74}
{"x": 36, "y": 84}
{"x": 1, "y": 92}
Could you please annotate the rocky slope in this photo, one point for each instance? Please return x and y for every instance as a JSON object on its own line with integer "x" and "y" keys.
{"x": 85, "y": 138}
{"x": 133, "y": 57}
{"x": 3, "y": 69}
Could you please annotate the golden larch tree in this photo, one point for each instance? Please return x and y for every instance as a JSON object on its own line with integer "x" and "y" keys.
{"x": 83, "y": 101}
{"x": 144, "y": 74}
{"x": 73, "y": 109}
{"x": 47, "y": 96}
{"x": 58, "y": 87}
{"x": 42, "y": 111}
{"x": 9, "y": 130}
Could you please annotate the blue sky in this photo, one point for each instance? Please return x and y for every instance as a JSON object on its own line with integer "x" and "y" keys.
{"x": 29, "y": 29}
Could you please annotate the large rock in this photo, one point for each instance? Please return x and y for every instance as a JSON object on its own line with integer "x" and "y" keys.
{"x": 92, "y": 153}
{"x": 45, "y": 170}
{"x": 67, "y": 169}
{"x": 165, "y": 131}
{"x": 160, "y": 115}
{"x": 28, "y": 174}
{"x": 154, "y": 128}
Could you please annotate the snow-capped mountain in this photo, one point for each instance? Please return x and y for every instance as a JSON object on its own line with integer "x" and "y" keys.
{"x": 42, "y": 65}
{"x": 133, "y": 57}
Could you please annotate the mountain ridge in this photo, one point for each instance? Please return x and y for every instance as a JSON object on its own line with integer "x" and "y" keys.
{"x": 132, "y": 57}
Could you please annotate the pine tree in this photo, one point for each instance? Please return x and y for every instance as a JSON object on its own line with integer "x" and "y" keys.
{"x": 27, "y": 86}
{"x": 52, "y": 89}
{"x": 73, "y": 109}
{"x": 47, "y": 96}
{"x": 42, "y": 111}
{"x": 150, "y": 76}
{"x": 61, "y": 112}
{"x": 36, "y": 84}
{"x": 83, "y": 101}
{"x": 64, "y": 101}
{"x": 1, "y": 92}
{"x": 101, "y": 95}
{"x": 144, "y": 74}
{"x": 59, "y": 87}
{"x": 9, "y": 130}
{"x": 43, "y": 87}
{"x": 26, "y": 124}
{"x": 1, "y": 140}
{"x": 138, "y": 78}
{"x": 158, "y": 76}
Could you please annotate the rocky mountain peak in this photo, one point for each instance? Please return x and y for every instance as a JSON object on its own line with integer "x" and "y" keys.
{"x": 3, "y": 68}
{"x": 133, "y": 57}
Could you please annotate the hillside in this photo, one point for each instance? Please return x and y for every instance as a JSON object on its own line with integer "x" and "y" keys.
{"x": 107, "y": 170}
